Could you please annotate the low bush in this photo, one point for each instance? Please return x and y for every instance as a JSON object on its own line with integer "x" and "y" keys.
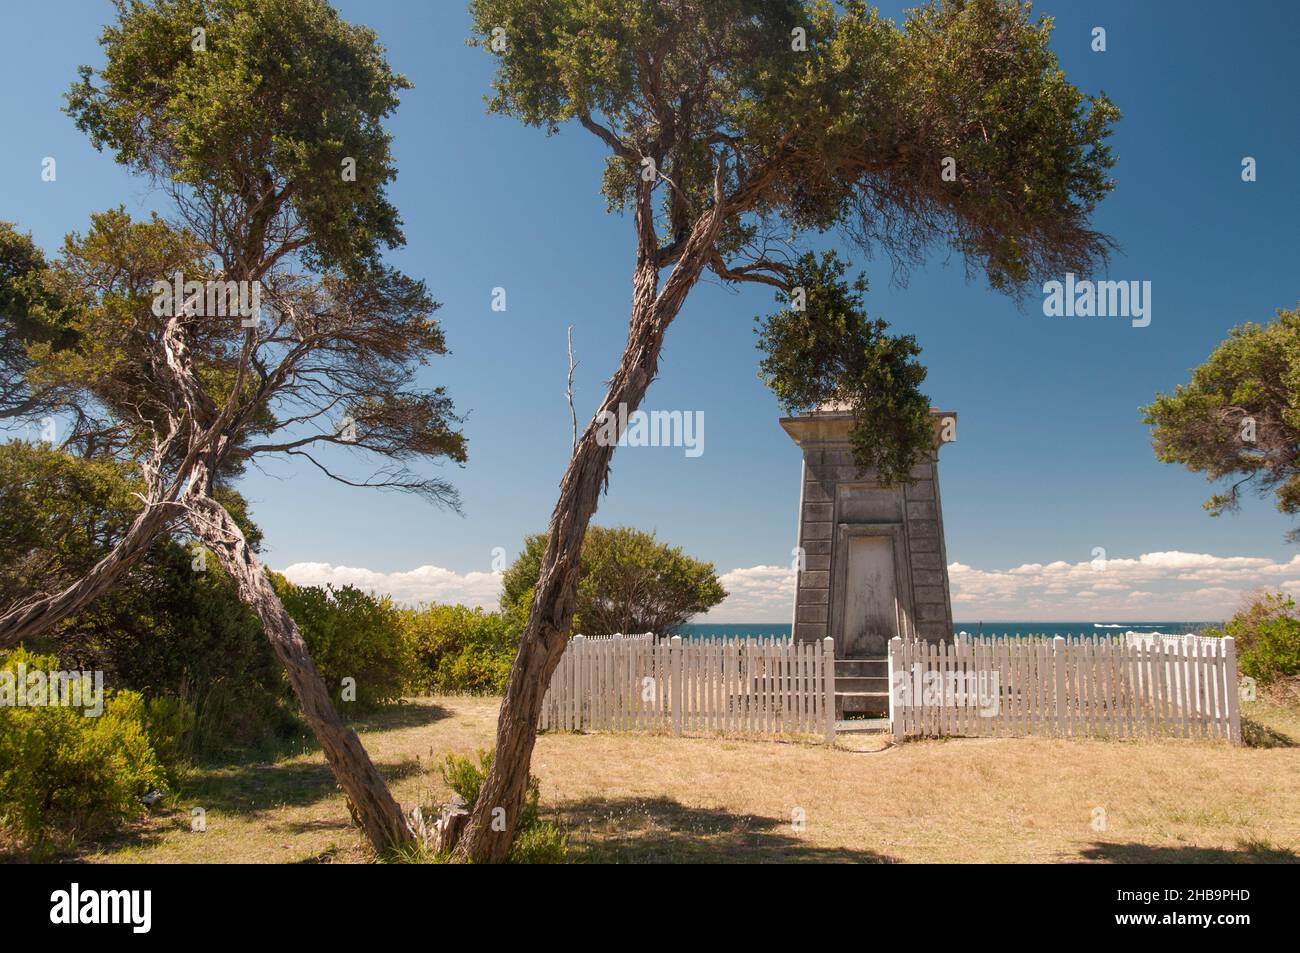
{"x": 457, "y": 649}
{"x": 1267, "y": 633}
{"x": 65, "y": 775}
{"x": 536, "y": 841}
{"x": 169, "y": 723}
{"x": 352, "y": 635}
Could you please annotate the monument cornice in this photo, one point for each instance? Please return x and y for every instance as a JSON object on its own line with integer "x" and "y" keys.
{"x": 830, "y": 429}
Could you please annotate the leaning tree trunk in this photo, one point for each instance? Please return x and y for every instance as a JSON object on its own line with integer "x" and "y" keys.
{"x": 372, "y": 804}
{"x": 554, "y": 599}
{"x": 34, "y": 616}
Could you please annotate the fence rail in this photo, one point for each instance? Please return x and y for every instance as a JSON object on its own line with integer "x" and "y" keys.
{"x": 1140, "y": 687}
{"x": 745, "y": 686}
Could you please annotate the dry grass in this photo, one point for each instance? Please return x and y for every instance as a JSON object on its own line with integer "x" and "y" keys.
{"x": 652, "y": 798}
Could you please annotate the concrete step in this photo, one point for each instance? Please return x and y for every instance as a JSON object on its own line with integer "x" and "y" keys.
{"x": 861, "y": 726}
{"x": 862, "y": 667}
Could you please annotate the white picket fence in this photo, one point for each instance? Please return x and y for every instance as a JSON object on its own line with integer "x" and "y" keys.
{"x": 1186, "y": 645}
{"x": 743, "y": 686}
{"x": 642, "y": 637}
{"x": 1141, "y": 687}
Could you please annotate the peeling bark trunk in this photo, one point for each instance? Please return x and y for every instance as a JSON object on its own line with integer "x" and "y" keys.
{"x": 554, "y": 598}
{"x": 372, "y": 804}
{"x": 32, "y": 617}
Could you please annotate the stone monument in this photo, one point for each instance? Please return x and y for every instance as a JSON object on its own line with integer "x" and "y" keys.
{"x": 873, "y": 559}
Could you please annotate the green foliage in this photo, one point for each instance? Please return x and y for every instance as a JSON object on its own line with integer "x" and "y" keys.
{"x": 542, "y": 843}
{"x": 850, "y": 132}
{"x": 351, "y": 634}
{"x": 107, "y": 275}
{"x": 1267, "y": 633}
{"x": 31, "y": 312}
{"x": 169, "y": 723}
{"x": 1238, "y": 417}
{"x": 27, "y": 305}
{"x": 167, "y": 630}
{"x": 628, "y": 582}
{"x": 536, "y": 841}
{"x": 832, "y": 352}
{"x": 56, "y": 513}
{"x": 457, "y": 649}
{"x": 175, "y": 630}
{"x": 172, "y": 632}
{"x": 281, "y": 94}
{"x": 63, "y": 774}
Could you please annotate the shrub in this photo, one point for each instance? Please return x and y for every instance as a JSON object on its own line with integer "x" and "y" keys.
{"x": 352, "y": 634}
{"x": 63, "y": 774}
{"x": 628, "y": 581}
{"x": 1267, "y": 632}
{"x": 459, "y": 649}
{"x": 536, "y": 841}
{"x": 169, "y": 723}
{"x": 543, "y": 843}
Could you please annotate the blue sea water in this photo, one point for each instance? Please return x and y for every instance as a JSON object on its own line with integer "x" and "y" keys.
{"x": 767, "y": 630}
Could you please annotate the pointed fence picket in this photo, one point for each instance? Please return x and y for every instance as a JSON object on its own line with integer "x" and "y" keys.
{"x": 1135, "y": 686}
{"x": 765, "y": 687}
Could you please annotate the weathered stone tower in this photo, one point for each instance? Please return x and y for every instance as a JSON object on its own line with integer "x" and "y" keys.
{"x": 875, "y": 564}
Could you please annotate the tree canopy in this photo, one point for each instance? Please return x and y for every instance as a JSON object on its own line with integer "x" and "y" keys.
{"x": 794, "y": 118}
{"x": 629, "y": 582}
{"x": 1238, "y": 417}
{"x": 31, "y": 313}
{"x": 249, "y": 123}
{"x": 263, "y": 119}
{"x": 830, "y": 351}
{"x": 334, "y": 362}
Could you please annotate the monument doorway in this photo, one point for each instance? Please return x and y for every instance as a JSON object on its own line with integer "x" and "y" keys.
{"x": 870, "y": 599}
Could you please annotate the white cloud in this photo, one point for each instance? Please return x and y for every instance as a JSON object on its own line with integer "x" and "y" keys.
{"x": 1160, "y": 586}
{"x": 757, "y": 594}
{"x": 423, "y": 584}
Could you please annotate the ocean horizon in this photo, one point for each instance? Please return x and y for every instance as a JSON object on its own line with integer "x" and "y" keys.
{"x": 778, "y": 630}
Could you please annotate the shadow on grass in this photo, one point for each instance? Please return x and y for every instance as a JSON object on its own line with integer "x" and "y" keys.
{"x": 1247, "y": 852}
{"x": 324, "y": 857}
{"x": 251, "y": 788}
{"x": 65, "y": 849}
{"x": 663, "y": 830}
{"x": 401, "y": 715}
{"x": 246, "y": 790}
{"x": 1256, "y": 734}
{"x": 301, "y": 741}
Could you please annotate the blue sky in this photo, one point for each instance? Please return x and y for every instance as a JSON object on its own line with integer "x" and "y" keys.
{"x": 1051, "y": 459}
